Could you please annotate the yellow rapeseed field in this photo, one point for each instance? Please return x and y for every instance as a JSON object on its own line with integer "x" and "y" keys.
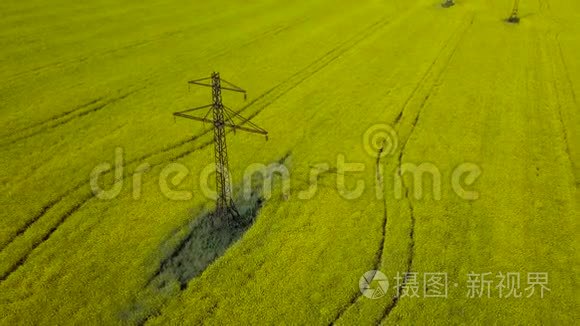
{"x": 487, "y": 112}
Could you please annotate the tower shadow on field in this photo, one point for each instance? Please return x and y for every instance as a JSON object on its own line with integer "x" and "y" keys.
{"x": 205, "y": 242}
{"x": 201, "y": 242}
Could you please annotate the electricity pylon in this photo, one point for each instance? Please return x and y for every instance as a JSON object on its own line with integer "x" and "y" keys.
{"x": 514, "y": 18}
{"x": 222, "y": 117}
{"x": 447, "y": 4}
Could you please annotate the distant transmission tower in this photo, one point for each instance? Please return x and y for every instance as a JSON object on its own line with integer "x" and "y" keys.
{"x": 222, "y": 117}
{"x": 447, "y": 4}
{"x": 514, "y": 18}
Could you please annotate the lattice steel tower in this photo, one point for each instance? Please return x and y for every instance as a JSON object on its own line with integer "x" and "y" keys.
{"x": 222, "y": 117}
{"x": 514, "y": 18}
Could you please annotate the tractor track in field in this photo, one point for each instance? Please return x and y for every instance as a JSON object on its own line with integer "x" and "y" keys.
{"x": 410, "y": 248}
{"x": 24, "y": 258}
{"x": 96, "y": 54}
{"x": 269, "y": 97}
{"x": 423, "y": 81}
{"x": 84, "y": 200}
{"x": 379, "y": 254}
{"x": 427, "y": 73}
{"x": 560, "y": 67}
{"x": 58, "y": 64}
{"x": 274, "y": 93}
{"x": 58, "y": 116}
{"x": 274, "y": 31}
{"x": 437, "y": 81}
{"x": 40, "y": 214}
{"x": 68, "y": 116}
{"x": 129, "y": 46}
{"x": 563, "y": 68}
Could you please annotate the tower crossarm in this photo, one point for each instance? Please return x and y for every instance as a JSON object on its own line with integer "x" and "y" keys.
{"x": 231, "y": 87}
{"x": 225, "y": 124}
